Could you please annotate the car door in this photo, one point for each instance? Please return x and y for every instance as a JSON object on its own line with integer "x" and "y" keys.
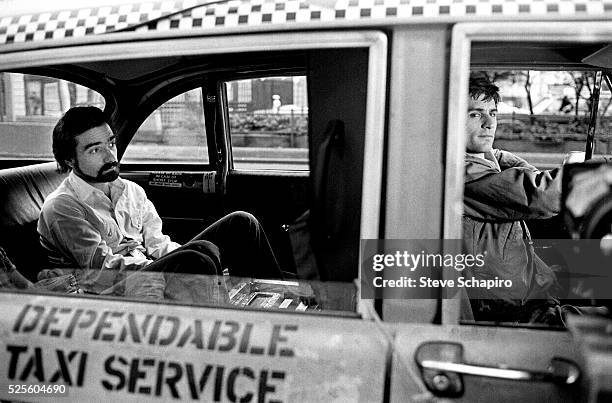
{"x": 426, "y": 356}
{"x": 103, "y": 367}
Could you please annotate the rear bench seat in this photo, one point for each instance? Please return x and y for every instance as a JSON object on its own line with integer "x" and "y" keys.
{"x": 22, "y": 193}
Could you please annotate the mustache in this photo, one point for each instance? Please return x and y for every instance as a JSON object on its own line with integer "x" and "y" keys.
{"x": 109, "y": 165}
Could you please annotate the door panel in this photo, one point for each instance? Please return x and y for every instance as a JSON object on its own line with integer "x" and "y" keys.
{"x": 530, "y": 349}
{"x": 275, "y": 198}
{"x": 125, "y": 351}
{"x": 183, "y": 200}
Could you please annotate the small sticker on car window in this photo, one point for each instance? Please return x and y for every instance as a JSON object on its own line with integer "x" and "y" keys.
{"x": 165, "y": 179}
{"x": 208, "y": 182}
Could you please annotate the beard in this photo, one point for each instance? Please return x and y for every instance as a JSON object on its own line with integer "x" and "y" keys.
{"x": 107, "y": 173}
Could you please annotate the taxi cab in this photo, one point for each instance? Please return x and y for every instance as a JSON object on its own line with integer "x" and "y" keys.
{"x": 334, "y": 122}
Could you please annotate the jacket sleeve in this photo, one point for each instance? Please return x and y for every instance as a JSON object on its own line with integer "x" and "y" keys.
{"x": 517, "y": 193}
{"x": 63, "y": 224}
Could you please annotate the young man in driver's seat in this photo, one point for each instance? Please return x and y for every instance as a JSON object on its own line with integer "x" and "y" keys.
{"x": 501, "y": 191}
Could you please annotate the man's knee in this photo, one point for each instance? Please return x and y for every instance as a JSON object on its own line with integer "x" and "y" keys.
{"x": 241, "y": 220}
{"x": 195, "y": 262}
{"x": 203, "y": 246}
{"x": 187, "y": 261}
{"x": 243, "y": 217}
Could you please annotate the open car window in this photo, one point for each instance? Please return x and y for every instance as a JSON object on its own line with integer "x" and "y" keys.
{"x": 29, "y": 108}
{"x": 514, "y": 217}
{"x": 544, "y": 114}
{"x": 271, "y": 124}
{"x": 174, "y": 133}
{"x": 268, "y": 119}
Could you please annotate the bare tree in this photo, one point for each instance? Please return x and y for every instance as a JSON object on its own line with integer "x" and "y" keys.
{"x": 578, "y": 85}
{"x": 527, "y": 86}
{"x": 589, "y": 80}
{"x": 517, "y": 76}
{"x": 583, "y": 80}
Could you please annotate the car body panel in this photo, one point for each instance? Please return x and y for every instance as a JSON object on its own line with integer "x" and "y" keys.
{"x": 130, "y": 351}
{"x": 489, "y": 347}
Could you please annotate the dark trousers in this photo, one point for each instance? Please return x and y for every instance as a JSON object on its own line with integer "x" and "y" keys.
{"x": 237, "y": 242}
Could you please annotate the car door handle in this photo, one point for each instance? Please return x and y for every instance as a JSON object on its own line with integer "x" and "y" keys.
{"x": 442, "y": 366}
{"x": 559, "y": 371}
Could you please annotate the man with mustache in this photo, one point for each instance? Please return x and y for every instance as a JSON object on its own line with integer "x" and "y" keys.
{"x": 501, "y": 191}
{"x": 103, "y": 225}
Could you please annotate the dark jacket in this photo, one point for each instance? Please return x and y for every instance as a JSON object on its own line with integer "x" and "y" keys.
{"x": 500, "y": 192}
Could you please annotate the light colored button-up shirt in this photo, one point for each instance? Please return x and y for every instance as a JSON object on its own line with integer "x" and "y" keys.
{"x": 81, "y": 228}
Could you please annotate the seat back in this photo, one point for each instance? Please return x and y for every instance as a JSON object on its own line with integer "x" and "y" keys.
{"x": 336, "y": 153}
{"x": 22, "y": 193}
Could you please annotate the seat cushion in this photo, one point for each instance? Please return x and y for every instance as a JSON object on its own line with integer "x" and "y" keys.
{"x": 22, "y": 193}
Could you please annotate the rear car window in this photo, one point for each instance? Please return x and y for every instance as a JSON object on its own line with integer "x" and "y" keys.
{"x": 268, "y": 120}
{"x": 30, "y": 106}
{"x": 173, "y": 133}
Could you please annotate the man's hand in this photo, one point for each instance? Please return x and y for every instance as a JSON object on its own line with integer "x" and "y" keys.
{"x": 574, "y": 157}
{"x": 587, "y": 188}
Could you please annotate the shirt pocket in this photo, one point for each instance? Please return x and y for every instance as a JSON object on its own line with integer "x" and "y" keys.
{"x": 110, "y": 233}
{"x": 133, "y": 212}
{"x": 136, "y": 218}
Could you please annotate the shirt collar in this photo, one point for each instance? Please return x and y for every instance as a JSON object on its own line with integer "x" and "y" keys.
{"x": 86, "y": 192}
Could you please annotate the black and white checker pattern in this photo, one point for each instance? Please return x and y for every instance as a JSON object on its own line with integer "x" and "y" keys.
{"x": 262, "y": 12}
{"x": 237, "y": 13}
{"x": 355, "y": 9}
{"x": 147, "y": 16}
{"x": 81, "y": 22}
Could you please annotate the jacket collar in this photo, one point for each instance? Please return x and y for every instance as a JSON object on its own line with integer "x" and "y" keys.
{"x": 489, "y": 160}
{"x": 477, "y": 167}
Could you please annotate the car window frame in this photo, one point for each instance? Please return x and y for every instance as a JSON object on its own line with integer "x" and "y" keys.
{"x": 139, "y": 45}
{"x": 463, "y": 35}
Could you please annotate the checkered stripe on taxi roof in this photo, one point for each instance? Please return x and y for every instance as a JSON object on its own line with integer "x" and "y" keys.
{"x": 86, "y": 21}
{"x": 240, "y": 13}
{"x": 149, "y": 16}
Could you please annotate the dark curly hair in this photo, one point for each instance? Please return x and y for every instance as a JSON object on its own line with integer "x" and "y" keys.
{"x": 481, "y": 85}
{"x": 75, "y": 121}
